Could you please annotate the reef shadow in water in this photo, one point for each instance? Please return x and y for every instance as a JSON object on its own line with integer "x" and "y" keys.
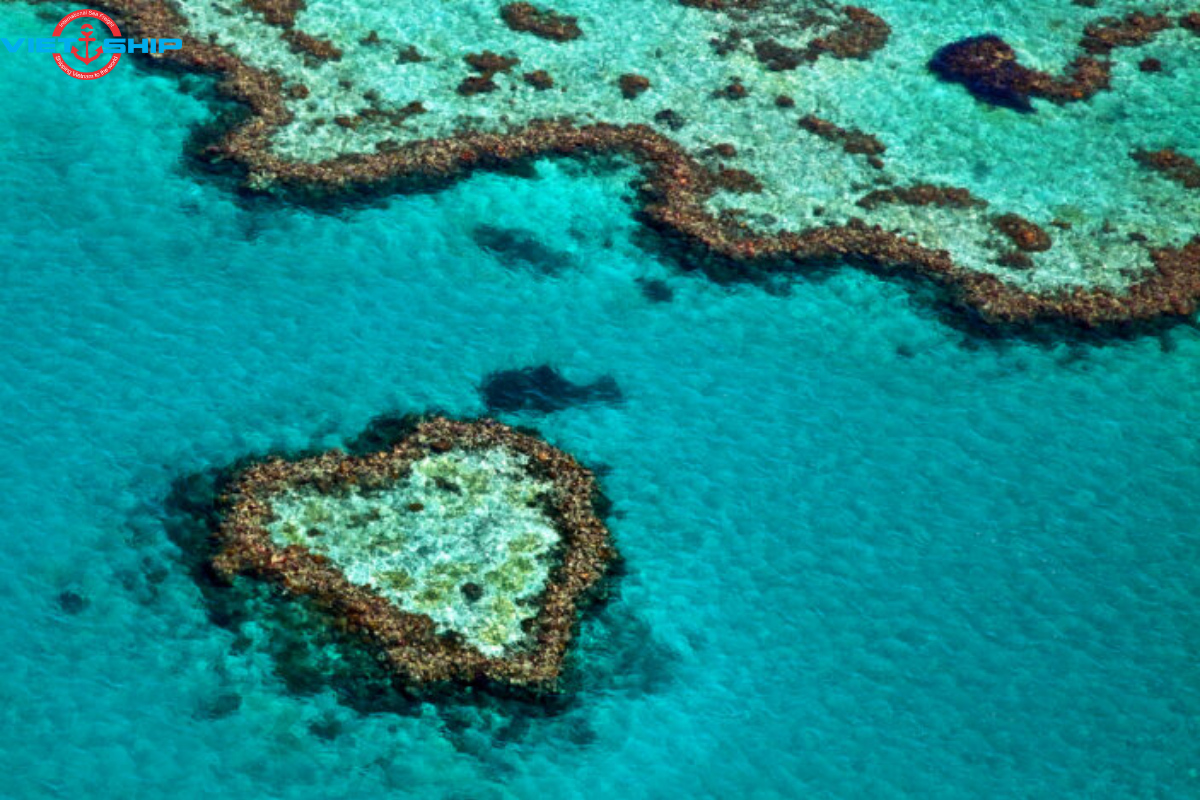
{"x": 656, "y": 290}
{"x": 544, "y": 389}
{"x": 519, "y": 248}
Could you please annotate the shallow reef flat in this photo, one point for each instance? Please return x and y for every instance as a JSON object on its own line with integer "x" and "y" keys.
{"x": 461, "y": 553}
{"x": 1036, "y": 161}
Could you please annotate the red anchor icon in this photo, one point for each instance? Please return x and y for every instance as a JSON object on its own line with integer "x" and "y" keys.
{"x": 87, "y": 40}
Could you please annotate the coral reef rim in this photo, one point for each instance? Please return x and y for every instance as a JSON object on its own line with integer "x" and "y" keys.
{"x": 727, "y": 170}
{"x": 459, "y": 553}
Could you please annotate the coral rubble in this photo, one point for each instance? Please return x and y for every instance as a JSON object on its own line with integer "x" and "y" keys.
{"x": 462, "y": 553}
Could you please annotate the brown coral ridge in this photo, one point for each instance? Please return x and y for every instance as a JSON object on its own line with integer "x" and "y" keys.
{"x": 989, "y": 68}
{"x": 853, "y": 142}
{"x": 1171, "y": 164}
{"x": 1133, "y": 30}
{"x": 310, "y": 46}
{"x": 407, "y": 643}
{"x": 396, "y": 116}
{"x": 922, "y": 194}
{"x": 673, "y": 197}
{"x": 546, "y": 23}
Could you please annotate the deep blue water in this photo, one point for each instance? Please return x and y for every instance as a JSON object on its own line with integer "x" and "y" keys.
{"x": 866, "y": 556}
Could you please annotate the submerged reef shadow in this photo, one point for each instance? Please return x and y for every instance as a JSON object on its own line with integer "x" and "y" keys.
{"x": 311, "y": 652}
{"x": 543, "y": 389}
{"x": 521, "y": 249}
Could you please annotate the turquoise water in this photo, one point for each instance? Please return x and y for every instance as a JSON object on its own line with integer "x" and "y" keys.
{"x": 865, "y": 555}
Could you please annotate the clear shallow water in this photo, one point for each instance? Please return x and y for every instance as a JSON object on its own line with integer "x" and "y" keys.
{"x": 863, "y": 558}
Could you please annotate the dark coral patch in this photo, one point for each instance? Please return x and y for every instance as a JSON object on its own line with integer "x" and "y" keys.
{"x": 476, "y": 84}
{"x": 859, "y": 34}
{"x": 852, "y": 141}
{"x": 633, "y": 85}
{"x": 1171, "y": 164}
{"x": 671, "y": 119}
{"x": 1105, "y": 35}
{"x": 734, "y": 90}
{"x": 856, "y": 35}
{"x": 410, "y": 55}
{"x": 310, "y": 46}
{"x": 277, "y": 12}
{"x": 922, "y": 194}
{"x": 738, "y": 180}
{"x": 988, "y": 67}
{"x": 539, "y": 79}
{"x": 546, "y": 23}
{"x": 487, "y": 64}
{"x": 1027, "y": 236}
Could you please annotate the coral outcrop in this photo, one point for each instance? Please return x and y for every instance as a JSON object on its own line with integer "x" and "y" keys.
{"x": 546, "y": 23}
{"x": 462, "y": 553}
{"x": 990, "y": 70}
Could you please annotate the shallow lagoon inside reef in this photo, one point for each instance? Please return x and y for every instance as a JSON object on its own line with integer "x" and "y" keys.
{"x": 866, "y": 554}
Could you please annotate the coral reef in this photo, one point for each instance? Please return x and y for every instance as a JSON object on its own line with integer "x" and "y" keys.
{"x": 282, "y": 145}
{"x": 461, "y": 553}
